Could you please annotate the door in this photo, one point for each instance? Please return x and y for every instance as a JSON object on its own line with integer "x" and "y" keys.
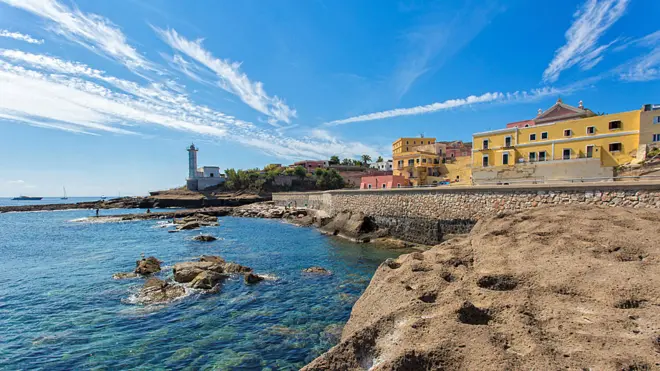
{"x": 505, "y": 159}
{"x": 590, "y": 151}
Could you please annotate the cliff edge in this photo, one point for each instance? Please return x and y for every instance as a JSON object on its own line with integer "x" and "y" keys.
{"x": 565, "y": 287}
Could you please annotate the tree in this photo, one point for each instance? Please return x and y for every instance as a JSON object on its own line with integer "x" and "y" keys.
{"x": 300, "y": 172}
{"x": 329, "y": 179}
{"x": 366, "y": 159}
{"x": 380, "y": 159}
{"x": 334, "y": 160}
{"x": 346, "y": 161}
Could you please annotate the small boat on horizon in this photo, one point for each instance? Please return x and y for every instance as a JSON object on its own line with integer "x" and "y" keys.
{"x": 65, "y": 196}
{"x": 26, "y": 198}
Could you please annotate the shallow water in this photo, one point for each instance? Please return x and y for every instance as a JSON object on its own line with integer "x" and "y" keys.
{"x": 60, "y": 308}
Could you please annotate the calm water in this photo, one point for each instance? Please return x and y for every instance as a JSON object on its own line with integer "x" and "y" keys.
{"x": 60, "y": 308}
{"x": 7, "y": 201}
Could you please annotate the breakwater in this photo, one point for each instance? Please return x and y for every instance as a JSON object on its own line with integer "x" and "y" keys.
{"x": 426, "y": 215}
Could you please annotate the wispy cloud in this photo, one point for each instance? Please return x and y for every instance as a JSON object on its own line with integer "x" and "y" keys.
{"x": 232, "y": 79}
{"x": 20, "y": 36}
{"x": 92, "y": 31}
{"x": 19, "y": 181}
{"x": 433, "y": 42}
{"x": 517, "y": 96}
{"x": 591, "y": 22}
{"x": 646, "y": 67}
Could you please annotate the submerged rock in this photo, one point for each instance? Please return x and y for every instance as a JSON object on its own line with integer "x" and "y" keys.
{"x": 251, "y": 278}
{"x": 124, "y": 275}
{"x": 316, "y": 270}
{"x": 157, "y": 291}
{"x": 204, "y": 238}
{"x": 206, "y": 280}
{"x": 147, "y": 266}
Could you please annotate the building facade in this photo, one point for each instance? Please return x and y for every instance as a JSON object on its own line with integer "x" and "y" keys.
{"x": 312, "y": 165}
{"x": 382, "y": 165}
{"x": 566, "y": 136}
{"x": 383, "y": 182}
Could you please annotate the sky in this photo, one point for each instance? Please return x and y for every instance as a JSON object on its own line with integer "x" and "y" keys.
{"x": 103, "y": 97}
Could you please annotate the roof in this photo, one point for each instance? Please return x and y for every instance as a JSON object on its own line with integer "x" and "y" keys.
{"x": 561, "y": 111}
{"x": 521, "y": 124}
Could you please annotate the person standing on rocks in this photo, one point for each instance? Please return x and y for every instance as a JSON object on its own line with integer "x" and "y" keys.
{"x": 97, "y": 213}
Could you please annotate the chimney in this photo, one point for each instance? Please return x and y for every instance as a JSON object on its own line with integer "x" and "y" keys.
{"x": 581, "y": 105}
{"x": 559, "y": 100}
{"x": 540, "y": 111}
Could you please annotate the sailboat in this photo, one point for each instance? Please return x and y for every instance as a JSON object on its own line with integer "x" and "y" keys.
{"x": 64, "y": 197}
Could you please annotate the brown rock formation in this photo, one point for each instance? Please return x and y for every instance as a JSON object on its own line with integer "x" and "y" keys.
{"x": 568, "y": 287}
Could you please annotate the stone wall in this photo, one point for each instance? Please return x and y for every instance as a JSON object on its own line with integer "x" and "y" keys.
{"x": 431, "y": 213}
{"x": 543, "y": 171}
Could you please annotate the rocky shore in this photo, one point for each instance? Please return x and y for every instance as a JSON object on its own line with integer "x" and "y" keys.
{"x": 565, "y": 287}
{"x": 356, "y": 227}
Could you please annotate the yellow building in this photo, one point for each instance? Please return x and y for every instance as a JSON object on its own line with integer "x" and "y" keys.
{"x": 417, "y": 159}
{"x": 565, "y": 133}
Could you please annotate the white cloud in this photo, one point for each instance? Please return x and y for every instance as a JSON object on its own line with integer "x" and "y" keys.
{"x": 20, "y": 36}
{"x": 647, "y": 66}
{"x": 232, "y": 79}
{"x": 92, "y": 31}
{"x": 517, "y": 96}
{"x": 591, "y": 22}
{"x": 16, "y": 181}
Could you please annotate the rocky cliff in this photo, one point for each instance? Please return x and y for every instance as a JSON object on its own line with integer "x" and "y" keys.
{"x": 565, "y": 287}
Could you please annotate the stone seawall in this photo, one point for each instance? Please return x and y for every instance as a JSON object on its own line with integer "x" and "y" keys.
{"x": 424, "y": 215}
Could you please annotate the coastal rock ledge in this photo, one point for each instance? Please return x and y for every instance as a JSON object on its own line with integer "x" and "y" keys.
{"x": 566, "y": 287}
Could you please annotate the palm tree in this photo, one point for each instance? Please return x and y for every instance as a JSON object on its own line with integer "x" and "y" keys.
{"x": 366, "y": 159}
{"x": 380, "y": 159}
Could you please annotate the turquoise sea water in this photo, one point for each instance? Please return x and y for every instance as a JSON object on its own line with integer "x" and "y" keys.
{"x": 61, "y": 310}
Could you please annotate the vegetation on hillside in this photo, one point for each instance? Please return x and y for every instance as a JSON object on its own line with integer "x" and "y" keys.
{"x": 257, "y": 180}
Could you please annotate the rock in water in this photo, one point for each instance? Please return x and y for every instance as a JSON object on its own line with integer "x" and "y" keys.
{"x": 186, "y": 272}
{"x": 316, "y": 270}
{"x": 236, "y": 268}
{"x": 188, "y": 226}
{"x": 204, "y": 238}
{"x": 251, "y": 278}
{"x": 212, "y": 259}
{"x": 147, "y": 266}
{"x": 157, "y": 291}
{"x": 206, "y": 280}
{"x": 124, "y": 275}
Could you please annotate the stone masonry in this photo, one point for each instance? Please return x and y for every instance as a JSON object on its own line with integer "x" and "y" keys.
{"x": 458, "y": 208}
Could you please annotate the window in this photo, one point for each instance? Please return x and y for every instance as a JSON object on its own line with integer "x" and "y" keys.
{"x": 532, "y": 157}
{"x": 542, "y": 156}
{"x": 398, "y": 185}
{"x": 615, "y": 147}
{"x": 566, "y": 154}
{"x": 656, "y": 120}
{"x": 507, "y": 142}
{"x": 414, "y": 142}
{"x": 505, "y": 158}
{"x": 407, "y": 142}
{"x": 591, "y": 130}
{"x": 369, "y": 186}
{"x": 423, "y": 160}
{"x": 411, "y": 162}
{"x": 384, "y": 185}
{"x": 544, "y": 135}
{"x": 418, "y": 161}
{"x": 532, "y": 136}
{"x": 567, "y": 132}
{"x": 615, "y": 125}
{"x": 656, "y": 137}
{"x": 590, "y": 151}
{"x": 484, "y": 161}
{"x": 485, "y": 144}
{"x": 211, "y": 175}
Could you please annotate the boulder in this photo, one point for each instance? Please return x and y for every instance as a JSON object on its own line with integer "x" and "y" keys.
{"x": 189, "y": 225}
{"x": 204, "y": 238}
{"x": 236, "y": 268}
{"x": 212, "y": 259}
{"x": 157, "y": 291}
{"x": 251, "y": 278}
{"x": 173, "y": 231}
{"x": 186, "y": 272}
{"x": 124, "y": 275}
{"x": 316, "y": 270}
{"x": 147, "y": 266}
{"x": 206, "y": 280}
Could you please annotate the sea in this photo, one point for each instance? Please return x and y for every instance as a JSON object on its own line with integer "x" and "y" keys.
{"x": 60, "y": 308}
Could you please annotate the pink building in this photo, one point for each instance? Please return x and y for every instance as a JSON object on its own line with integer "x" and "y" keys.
{"x": 458, "y": 149}
{"x": 383, "y": 182}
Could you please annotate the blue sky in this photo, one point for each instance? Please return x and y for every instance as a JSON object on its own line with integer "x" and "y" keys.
{"x": 103, "y": 96}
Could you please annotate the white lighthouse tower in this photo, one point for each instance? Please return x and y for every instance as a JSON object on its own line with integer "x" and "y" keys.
{"x": 192, "y": 161}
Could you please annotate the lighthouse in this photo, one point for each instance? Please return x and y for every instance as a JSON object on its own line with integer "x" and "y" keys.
{"x": 192, "y": 161}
